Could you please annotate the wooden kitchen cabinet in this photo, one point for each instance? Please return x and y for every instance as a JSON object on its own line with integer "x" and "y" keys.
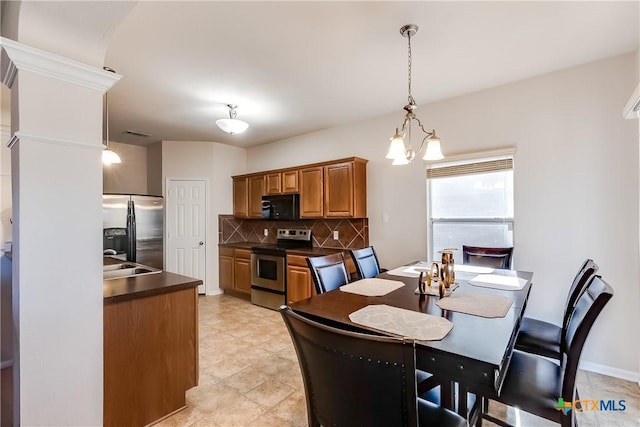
{"x": 256, "y": 191}
{"x": 290, "y": 181}
{"x": 282, "y": 182}
{"x": 345, "y": 191}
{"x": 311, "y": 192}
{"x": 240, "y": 197}
{"x": 242, "y": 270}
{"x": 226, "y": 268}
{"x": 335, "y": 189}
{"x": 299, "y": 282}
{"x": 273, "y": 182}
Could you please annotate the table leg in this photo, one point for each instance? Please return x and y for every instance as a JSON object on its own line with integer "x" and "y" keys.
{"x": 447, "y": 395}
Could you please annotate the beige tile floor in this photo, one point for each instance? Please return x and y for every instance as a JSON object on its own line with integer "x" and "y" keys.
{"x": 249, "y": 376}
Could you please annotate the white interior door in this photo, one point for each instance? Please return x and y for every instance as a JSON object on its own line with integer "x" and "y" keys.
{"x": 186, "y": 229}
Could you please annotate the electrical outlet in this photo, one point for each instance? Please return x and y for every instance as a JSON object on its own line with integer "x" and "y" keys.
{"x": 266, "y": 232}
{"x": 336, "y": 235}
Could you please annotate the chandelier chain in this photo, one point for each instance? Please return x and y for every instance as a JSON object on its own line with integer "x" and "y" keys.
{"x": 410, "y": 98}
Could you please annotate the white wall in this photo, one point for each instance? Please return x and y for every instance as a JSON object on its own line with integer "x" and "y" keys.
{"x": 576, "y": 184}
{"x": 215, "y": 163}
{"x": 130, "y": 176}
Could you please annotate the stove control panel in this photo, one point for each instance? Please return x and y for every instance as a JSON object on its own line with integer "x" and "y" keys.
{"x": 294, "y": 234}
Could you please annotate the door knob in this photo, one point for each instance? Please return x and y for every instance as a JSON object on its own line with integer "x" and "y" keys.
{"x": 201, "y": 243}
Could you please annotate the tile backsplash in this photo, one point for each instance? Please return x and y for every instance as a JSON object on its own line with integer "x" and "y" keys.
{"x": 352, "y": 233}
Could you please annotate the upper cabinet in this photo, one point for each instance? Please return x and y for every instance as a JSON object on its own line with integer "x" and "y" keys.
{"x": 336, "y": 189}
{"x": 282, "y": 182}
{"x": 240, "y": 197}
{"x": 311, "y": 192}
{"x": 256, "y": 191}
{"x": 345, "y": 190}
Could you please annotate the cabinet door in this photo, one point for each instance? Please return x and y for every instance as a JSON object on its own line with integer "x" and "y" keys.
{"x": 338, "y": 190}
{"x": 256, "y": 191}
{"x": 240, "y": 197}
{"x": 311, "y": 192}
{"x": 298, "y": 283}
{"x": 242, "y": 271}
{"x": 290, "y": 182}
{"x": 225, "y": 268}
{"x": 273, "y": 182}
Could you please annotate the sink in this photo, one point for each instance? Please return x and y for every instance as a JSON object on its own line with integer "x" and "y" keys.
{"x": 127, "y": 269}
{"x": 119, "y": 266}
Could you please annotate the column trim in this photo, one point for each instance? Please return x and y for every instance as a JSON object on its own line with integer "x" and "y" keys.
{"x": 27, "y": 58}
{"x": 18, "y": 136}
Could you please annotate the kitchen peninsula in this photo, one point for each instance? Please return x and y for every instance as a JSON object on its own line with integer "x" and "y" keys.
{"x": 150, "y": 346}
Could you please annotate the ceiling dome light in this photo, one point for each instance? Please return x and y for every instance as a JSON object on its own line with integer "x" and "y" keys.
{"x": 232, "y": 125}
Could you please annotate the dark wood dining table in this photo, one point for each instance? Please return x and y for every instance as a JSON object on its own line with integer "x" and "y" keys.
{"x": 475, "y": 354}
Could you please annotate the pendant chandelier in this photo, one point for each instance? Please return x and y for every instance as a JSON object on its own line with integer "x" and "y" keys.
{"x": 108, "y": 157}
{"x": 400, "y": 148}
{"x": 232, "y": 125}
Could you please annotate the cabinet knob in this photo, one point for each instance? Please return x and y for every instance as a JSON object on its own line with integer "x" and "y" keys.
{"x": 201, "y": 243}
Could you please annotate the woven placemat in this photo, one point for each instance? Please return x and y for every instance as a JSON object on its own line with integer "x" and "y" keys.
{"x": 372, "y": 287}
{"x": 477, "y": 304}
{"x": 406, "y": 323}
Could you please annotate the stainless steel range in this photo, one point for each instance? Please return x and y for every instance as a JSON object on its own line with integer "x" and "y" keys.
{"x": 269, "y": 267}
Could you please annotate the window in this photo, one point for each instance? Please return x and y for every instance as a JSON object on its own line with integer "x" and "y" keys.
{"x": 470, "y": 203}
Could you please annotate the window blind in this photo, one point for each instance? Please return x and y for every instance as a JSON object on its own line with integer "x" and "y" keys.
{"x": 470, "y": 168}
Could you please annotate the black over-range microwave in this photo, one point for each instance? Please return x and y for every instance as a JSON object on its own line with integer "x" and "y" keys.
{"x": 281, "y": 206}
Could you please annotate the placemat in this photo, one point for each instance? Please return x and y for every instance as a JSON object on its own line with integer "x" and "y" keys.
{"x": 509, "y": 283}
{"x": 465, "y": 268}
{"x": 411, "y": 270}
{"x": 372, "y": 287}
{"x": 407, "y": 323}
{"x": 477, "y": 304}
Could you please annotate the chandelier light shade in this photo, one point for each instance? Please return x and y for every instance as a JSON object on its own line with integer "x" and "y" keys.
{"x": 108, "y": 157}
{"x": 232, "y": 125}
{"x": 400, "y": 148}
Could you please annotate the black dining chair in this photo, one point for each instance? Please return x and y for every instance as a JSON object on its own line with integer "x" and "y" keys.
{"x": 366, "y": 262}
{"x": 328, "y": 272}
{"x": 545, "y": 338}
{"x": 355, "y": 379}
{"x": 536, "y": 384}
{"x": 487, "y": 257}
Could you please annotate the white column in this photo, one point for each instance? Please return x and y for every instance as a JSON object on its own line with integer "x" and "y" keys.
{"x": 57, "y": 251}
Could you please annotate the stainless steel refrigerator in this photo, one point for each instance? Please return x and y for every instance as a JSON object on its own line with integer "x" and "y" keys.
{"x": 133, "y": 228}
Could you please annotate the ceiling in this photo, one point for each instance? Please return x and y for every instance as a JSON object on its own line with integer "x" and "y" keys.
{"x": 297, "y": 67}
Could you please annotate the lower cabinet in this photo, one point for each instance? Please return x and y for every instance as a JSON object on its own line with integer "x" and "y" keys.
{"x": 242, "y": 271}
{"x": 234, "y": 266}
{"x": 299, "y": 283}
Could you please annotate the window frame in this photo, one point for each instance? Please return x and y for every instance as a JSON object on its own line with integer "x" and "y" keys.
{"x": 477, "y": 157}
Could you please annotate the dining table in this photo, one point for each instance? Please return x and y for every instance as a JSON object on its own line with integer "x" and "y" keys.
{"x": 474, "y": 354}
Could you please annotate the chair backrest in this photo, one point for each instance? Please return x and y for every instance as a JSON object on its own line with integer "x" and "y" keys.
{"x": 587, "y": 309}
{"x": 580, "y": 281}
{"x": 351, "y": 378}
{"x": 366, "y": 262}
{"x": 487, "y": 257}
{"x": 328, "y": 272}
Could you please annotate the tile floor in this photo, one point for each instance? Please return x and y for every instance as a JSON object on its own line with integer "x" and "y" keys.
{"x": 249, "y": 376}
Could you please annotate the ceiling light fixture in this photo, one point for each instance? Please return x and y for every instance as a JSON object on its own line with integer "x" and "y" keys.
{"x": 108, "y": 157}
{"x": 232, "y": 125}
{"x": 400, "y": 149}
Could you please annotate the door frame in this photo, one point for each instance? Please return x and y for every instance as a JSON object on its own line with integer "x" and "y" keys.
{"x": 207, "y": 225}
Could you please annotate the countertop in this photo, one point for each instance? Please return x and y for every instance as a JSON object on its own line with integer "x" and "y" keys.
{"x": 126, "y": 288}
{"x": 297, "y": 251}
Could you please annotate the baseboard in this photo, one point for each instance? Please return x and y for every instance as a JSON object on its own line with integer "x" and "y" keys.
{"x": 612, "y": 372}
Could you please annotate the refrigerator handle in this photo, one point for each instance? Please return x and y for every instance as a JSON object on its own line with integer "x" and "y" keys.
{"x": 131, "y": 231}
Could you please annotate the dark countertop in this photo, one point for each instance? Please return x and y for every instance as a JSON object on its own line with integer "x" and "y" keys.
{"x": 297, "y": 251}
{"x": 126, "y": 288}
